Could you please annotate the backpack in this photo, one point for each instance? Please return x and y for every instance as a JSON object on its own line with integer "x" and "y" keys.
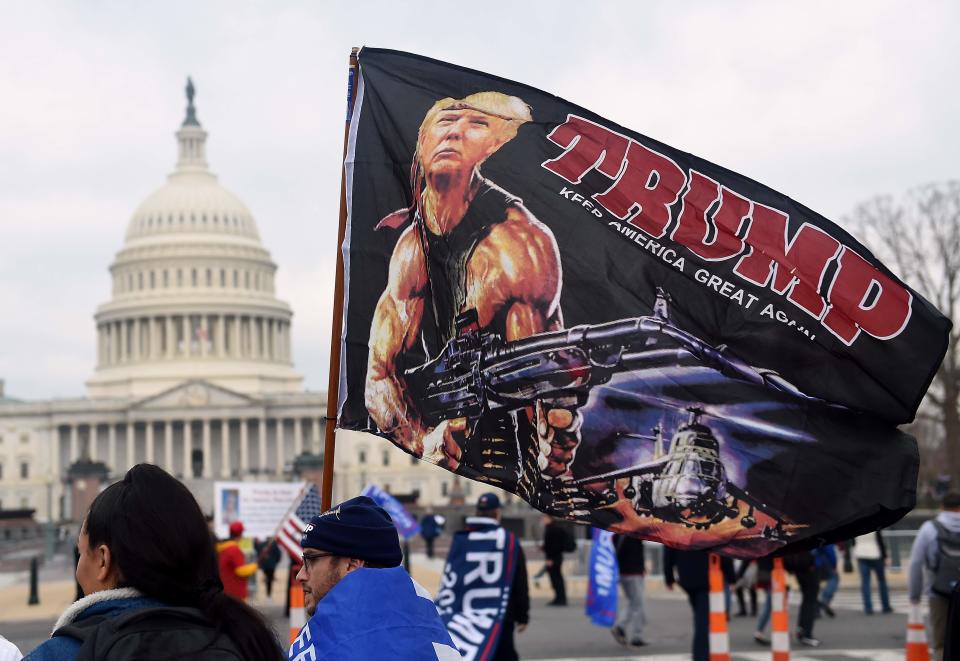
{"x": 947, "y": 572}
{"x": 150, "y": 634}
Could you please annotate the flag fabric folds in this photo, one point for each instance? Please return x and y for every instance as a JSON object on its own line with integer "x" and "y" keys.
{"x": 291, "y": 528}
{"x": 405, "y": 522}
{"x": 602, "y": 580}
{"x": 618, "y": 331}
{"x": 374, "y": 614}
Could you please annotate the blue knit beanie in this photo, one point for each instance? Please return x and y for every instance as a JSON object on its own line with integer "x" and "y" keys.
{"x": 357, "y": 528}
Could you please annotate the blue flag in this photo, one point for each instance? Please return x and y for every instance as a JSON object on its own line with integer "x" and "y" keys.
{"x": 374, "y": 614}
{"x": 604, "y": 574}
{"x": 405, "y": 522}
{"x": 475, "y": 587}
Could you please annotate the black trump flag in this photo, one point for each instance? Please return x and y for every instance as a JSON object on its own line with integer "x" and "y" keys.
{"x": 619, "y": 332}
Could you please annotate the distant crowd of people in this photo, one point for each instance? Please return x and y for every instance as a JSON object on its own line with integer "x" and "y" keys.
{"x": 155, "y": 579}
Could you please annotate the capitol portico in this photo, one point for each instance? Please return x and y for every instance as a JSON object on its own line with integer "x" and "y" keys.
{"x": 193, "y": 357}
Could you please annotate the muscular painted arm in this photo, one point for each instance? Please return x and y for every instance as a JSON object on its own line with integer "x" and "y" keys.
{"x": 396, "y": 323}
{"x": 518, "y": 267}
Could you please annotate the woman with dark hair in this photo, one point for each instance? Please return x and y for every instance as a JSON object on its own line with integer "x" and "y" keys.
{"x": 148, "y": 570}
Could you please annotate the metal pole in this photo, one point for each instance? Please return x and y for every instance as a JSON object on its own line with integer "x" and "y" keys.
{"x": 333, "y": 384}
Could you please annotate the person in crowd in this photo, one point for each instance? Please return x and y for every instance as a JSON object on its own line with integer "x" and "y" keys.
{"x": 803, "y": 566}
{"x": 692, "y": 573}
{"x": 764, "y": 581}
{"x": 9, "y": 651}
{"x": 362, "y": 604}
{"x": 631, "y": 619}
{"x": 935, "y": 566}
{"x": 517, "y": 616}
{"x": 268, "y": 557}
{"x": 744, "y": 580}
{"x": 825, "y": 559}
{"x": 151, "y": 591}
{"x": 234, "y": 568}
{"x": 871, "y": 555}
{"x": 554, "y": 543}
{"x": 431, "y": 526}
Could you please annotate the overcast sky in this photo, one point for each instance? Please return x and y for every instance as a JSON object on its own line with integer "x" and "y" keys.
{"x": 830, "y": 103}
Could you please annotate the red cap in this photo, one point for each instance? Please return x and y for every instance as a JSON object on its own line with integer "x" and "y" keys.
{"x": 236, "y": 529}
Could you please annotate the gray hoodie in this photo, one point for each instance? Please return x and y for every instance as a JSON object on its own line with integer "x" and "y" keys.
{"x": 923, "y": 557}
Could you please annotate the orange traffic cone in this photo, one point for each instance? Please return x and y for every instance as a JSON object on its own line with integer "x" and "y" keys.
{"x": 780, "y": 634}
{"x": 298, "y": 616}
{"x": 917, "y": 649}
{"x": 719, "y": 637}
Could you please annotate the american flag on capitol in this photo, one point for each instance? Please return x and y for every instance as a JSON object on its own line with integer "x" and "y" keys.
{"x": 288, "y": 536}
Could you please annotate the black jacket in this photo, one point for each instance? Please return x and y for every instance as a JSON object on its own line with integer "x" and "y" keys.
{"x": 554, "y": 539}
{"x": 692, "y": 569}
{"x": 518, "y": 610}
{"x": 630, "y": 558}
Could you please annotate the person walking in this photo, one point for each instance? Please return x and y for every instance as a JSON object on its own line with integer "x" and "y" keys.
{"x": 692, "y": 573}
{"x": 234, "y": 568}
{"x": 146, "y": 567}
{"x": 871, "y": 555}
{"x": 764, "y": 581}
{"x": 935, "y": 566}
{"x": 484, "y": 536}
{"x": 268, "y": 557}
{"x": 554, "y": 544}
{"x": 431, "y": 526}
{"x": 631, "y": 619}
{"x": 362, "y": 604}
{"x": 804, "y": 568}
{"x": 826, "y": 562}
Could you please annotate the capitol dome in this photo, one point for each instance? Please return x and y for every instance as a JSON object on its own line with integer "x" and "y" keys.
{"x": 193, "y": 291}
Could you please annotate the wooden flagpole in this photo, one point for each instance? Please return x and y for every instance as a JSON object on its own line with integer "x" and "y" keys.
{"x": 333, "y": 385}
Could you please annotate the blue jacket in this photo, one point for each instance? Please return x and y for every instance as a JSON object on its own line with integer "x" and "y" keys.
{"x": 374, "y": 614}
{"x": 109, "y": 602}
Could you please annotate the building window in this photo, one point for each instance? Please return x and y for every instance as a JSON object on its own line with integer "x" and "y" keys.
{"x": 166, "y": 279}
{"x": 386, "y": 457}
{"x": 152, "y": 280}
{"x": 24, "y": 470}
{"x": 223, "y": 276}
{"x": 179, "y": 277}
{"x": 362, "y": 457}
{"x": 209, "y": 278}
{"x": 24, "y": 438}
{"x": 140, "y": 280}
{"x": 1, "y": 471}
{"x": 236, "y": 279}
{"x": 24, "y": 504}
{"x": 444, "y": 488}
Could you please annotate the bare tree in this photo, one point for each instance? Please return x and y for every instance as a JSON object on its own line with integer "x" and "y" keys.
{"x": 918, "y": 238}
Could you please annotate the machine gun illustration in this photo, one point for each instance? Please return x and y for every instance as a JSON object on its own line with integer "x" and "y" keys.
{"x": 478, "y": 372}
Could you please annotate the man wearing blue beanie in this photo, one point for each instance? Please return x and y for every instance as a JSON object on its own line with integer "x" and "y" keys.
{"x": 362, "y": 604}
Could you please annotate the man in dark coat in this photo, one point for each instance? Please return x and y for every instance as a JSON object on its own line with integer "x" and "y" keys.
{"x": 554, "y": 541}
{"x": 692, "y": 570}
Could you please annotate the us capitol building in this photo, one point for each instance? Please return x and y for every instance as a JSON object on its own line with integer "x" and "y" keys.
{"x": 193, "y": 369}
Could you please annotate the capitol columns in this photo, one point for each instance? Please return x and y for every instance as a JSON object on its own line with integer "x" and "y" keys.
{"x": 149, "y": 433}
{"x": 112, "y": 447}
{"x": 171, "y": 335}
{"x": 74, "y": 443}
{"x": 297, "y": 437}
{"x": 280, "y": 443}
{"x": 221, "y": 335}
{"x": 207, "y": 450}
{"x": 154, "y": 338}
{"x": 224, "y": 448}
{"x": 315, "y": 436}
{"x": 262, "y": 443}
{"x": 131, "y": 449}
{"x": 187, "y": 340}
{"x": 244, "y": 447}
{"x": 187, "y": 448}
{"x": 235, "y": 342}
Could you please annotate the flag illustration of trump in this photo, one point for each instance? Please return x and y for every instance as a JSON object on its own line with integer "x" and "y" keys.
{"x": 618, "y": 331}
